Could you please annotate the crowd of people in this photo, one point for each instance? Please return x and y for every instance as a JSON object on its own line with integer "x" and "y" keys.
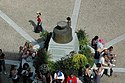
{"x": 24, "y": 73}
{"x": 104, "y": 58}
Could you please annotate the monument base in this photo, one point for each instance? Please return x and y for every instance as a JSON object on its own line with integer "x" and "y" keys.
{"x": 60, "y": 50}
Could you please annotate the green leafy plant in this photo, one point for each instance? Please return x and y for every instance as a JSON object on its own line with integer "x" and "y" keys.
{"x": 44, "y": 35}
{"x": 83, "y": 46}
{"x": 41, "y": 58}
{"x": 79, "y": 59}
{"x": 82, "y": 37}
{"x": 70, "y": 62}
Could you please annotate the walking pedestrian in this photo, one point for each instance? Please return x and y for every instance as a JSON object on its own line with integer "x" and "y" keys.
{"x": 2, "y": 62}
{"x": 39, "y": 27}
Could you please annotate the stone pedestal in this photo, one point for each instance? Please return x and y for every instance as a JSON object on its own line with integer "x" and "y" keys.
{"x": 60, "y": 50}
{"x": 63, "y": 41}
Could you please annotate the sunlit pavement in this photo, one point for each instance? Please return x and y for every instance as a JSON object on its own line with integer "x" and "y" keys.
{"x": 98, "y": 17}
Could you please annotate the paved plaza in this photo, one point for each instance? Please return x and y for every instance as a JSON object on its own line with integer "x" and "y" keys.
{"x": 105, "y": 18}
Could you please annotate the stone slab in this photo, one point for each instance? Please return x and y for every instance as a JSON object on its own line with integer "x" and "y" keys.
{"x": 60, "y": 50}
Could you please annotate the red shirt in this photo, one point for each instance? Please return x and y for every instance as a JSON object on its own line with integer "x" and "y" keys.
{"x": 38, "y": 19}
{"x": 72, "y": 79}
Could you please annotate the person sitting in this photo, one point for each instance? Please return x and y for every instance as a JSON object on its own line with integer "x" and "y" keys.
{"x": 26, "y": 73}
{"x": 98, "y": 72}
{"x": 59, "y": 77}
{"x": 14, "y": 74}
{"x": 111, "y": 56}
{"x": 104, "y": 61}
{"x": 39, "y": 78}
{"x": 48, "y": 77}
{"x": 87, "y": 74}
{"x": 71, "y": 78}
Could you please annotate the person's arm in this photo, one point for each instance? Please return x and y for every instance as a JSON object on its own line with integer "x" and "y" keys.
{"x": 67, "y": 80}
{"x": 51, "y": 79}
{"x": 55, "y": 76}
{"x": 102, "y": 61}
{"x": 88, "y": 72}
{"x": 62, "y": 78}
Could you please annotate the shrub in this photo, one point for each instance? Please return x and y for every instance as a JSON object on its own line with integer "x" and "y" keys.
{"x": 41, "y": 58}
{"x": 79, "y": 59}
{"x": 70, "y": 62}
{"x": 83, "y": 46}
{"x": 82, "y": 37}
{"x": 44, "y": 35}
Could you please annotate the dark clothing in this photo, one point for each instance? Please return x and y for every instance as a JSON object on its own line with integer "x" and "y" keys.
{"x": 2, "y": 64}
{"x": 87, "y": 79}
{"x": 48, "y": 79}
{"x": 15, "y": 80}
{"x": 2, "y": 56}
{"x": 38, "y": 28}
{"x": 97, "y": 55}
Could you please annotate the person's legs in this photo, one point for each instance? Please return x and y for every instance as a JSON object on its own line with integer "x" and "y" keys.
{"x": 108, "y": 70}
{"x": 0, "y": 66}
{"x": 3, "y": 64}
{"x": 36, "y": 29}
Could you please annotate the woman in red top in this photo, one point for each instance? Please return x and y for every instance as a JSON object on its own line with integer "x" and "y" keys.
{"x": 71, "y": 79}
{"x": 39, "y": 23}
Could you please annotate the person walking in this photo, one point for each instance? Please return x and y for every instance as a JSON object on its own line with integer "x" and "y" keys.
{"x": 39, "y": 27}
{"x": 2, "y": 62}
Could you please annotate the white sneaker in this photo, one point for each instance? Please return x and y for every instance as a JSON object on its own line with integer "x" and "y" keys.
{"x": 113, "y": 60}
{"x": 113, "y": 65}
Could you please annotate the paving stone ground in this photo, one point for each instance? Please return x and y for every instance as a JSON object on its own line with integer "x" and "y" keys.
{"x": 105, "y": 18}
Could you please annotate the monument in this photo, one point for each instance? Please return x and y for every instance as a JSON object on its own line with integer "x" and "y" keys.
{"x": 63, "y": 40}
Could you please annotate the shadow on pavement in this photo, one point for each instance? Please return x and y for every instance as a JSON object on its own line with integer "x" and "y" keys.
{"x": 11, "y": 55}
{"x": 32, "y": 23}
